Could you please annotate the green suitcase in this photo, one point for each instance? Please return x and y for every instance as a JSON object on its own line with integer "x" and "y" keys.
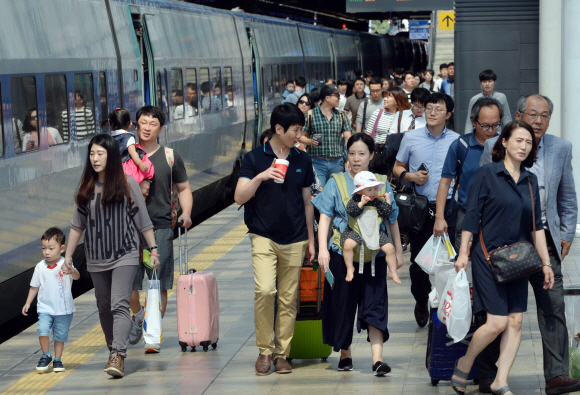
{"x": 307, "y": 340}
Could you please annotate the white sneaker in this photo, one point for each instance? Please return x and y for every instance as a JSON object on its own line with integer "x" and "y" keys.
{"x": 152, "y": 348}
{"x": 137, "y": 327}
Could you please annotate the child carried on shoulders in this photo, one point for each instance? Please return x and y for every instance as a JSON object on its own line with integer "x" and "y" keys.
{"x": 366, "y": 206}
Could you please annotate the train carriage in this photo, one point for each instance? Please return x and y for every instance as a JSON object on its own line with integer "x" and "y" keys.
{"x": 217, "y": 75}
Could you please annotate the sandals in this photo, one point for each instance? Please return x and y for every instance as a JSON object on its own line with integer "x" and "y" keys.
{"x": 462, "y": 384}
{"x": 501, "y": 391}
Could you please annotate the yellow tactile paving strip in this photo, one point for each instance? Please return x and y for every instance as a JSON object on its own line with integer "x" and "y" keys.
{"x": 82, "y": 349}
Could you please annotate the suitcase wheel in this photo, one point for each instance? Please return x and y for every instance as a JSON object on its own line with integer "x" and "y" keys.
{"x": 192, "y": 349}
{"x": 289, "y": 359}
{"x": 214, "y": 346}
{"x": 205, "y": 348}
{"x": 183, "y": 346}
{"x": 434, "y": 382}
{"x": 324, "y": 359}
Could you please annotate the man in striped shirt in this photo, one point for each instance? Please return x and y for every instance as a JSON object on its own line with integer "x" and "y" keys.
{"x": 85, "y": 122}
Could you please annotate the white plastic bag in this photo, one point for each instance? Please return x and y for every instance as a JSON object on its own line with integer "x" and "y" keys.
{"x": 433, "y": 250}
{"x": 152, "y": 323}
{"x": 455, "y": 306}
{"x": 433, "y": 299}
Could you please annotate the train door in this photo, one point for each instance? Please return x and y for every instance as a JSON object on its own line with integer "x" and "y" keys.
{"x": 146, "y": 51}
{"x": 259, "y": 93}
{"x": 333, "y": 58}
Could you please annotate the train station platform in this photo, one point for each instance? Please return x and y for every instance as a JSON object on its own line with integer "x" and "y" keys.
{"x": 220, "y": 245}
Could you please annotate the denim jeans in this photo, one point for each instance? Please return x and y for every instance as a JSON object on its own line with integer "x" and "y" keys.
{"x": 58, "y": 324}
{"x": 324, "y": 168}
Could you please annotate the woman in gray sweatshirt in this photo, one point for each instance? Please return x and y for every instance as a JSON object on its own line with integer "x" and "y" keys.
{"x": 110, "y": 209}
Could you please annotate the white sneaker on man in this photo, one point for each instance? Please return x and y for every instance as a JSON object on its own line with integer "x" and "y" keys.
{"x": 137, "y": 327}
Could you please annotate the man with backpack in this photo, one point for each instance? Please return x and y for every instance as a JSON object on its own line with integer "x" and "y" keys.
{"x": 169, "y": 186}
{"x": 462, "y": 162}
{"x": 326, "y": 130}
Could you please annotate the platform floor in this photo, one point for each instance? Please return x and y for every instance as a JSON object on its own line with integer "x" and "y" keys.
{"x": 221, "y": 245}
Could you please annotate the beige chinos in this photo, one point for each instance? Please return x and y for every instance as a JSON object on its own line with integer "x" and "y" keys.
{"x": 283, "y": 262}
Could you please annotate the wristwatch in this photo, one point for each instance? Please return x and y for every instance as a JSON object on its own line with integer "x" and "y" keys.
{"x": 153, "y": 248}
{"x": 547, "y": 264}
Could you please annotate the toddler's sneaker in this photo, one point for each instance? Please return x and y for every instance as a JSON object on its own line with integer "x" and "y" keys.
{"x": 137, "y": 327}
{"x": 43, "y": 363}
{"x": 381, "y": 368}
{"x": 57, "y": 366}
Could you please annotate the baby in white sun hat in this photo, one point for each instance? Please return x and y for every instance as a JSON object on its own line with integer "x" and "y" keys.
{"x": 366, "y": 210}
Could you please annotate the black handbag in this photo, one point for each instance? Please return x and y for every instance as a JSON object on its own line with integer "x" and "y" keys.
{"x": 509, "y": 263}
{"x": 413, "y": 210}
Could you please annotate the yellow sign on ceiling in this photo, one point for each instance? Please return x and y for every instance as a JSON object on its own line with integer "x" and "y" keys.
{"x": 446, "y": 20}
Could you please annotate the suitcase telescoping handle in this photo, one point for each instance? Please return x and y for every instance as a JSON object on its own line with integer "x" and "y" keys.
{"x": 182, "y": 249}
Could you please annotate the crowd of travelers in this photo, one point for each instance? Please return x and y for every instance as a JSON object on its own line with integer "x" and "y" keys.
{"x": 349, "y": 148}
{"x": 393, "y": 134}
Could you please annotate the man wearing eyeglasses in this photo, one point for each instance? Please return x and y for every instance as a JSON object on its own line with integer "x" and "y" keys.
{"x": 553, "y": 168}
{"x": 487, "y": 79}
{"x": 423, "y": 153}
{"x": 366, "y": 109}
{"x": 462, "y": 162}
{"x": 413, "y": 118}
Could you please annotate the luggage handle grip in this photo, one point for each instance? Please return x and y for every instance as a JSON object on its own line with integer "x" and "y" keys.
{"x": 191, "y": 271}
{"x": 182, "y": 264}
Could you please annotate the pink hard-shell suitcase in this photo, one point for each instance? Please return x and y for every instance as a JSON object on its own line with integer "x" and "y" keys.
{"x": 197, "y": 305}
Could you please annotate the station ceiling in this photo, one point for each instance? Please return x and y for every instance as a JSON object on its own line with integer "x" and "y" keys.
{"x": 331, "y": 13}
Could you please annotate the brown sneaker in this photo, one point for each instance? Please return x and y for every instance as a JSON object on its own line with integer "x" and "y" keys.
{"x": 282, "y": 366}
{"x": 116, "y": 365}
{"x": 263, "y": 365}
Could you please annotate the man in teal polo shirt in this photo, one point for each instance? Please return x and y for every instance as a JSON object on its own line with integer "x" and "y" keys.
{"x": 462, "y": 162}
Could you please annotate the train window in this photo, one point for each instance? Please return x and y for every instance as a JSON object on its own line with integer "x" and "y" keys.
{"x": 24, "y": 113}
{"x": 217, "y": 89}
{"x": 1, "y": 127}
{"x": 283, "y": 79}
{"x": 56, "y": 106}
{"x": 104, "y": 99}
{"x": 205, "y": 91}
{"x": 177, "y": 93}
{"x": 84, "y": 106}
{"x": 276, "y": 92}
{"x": 191, "y": 92}
{"x": 228, "y": 82}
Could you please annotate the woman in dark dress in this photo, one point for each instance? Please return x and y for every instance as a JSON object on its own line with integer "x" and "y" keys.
{"x": 499, "y": 201}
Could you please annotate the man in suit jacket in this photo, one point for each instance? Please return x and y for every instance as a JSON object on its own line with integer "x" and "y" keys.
{"x": 559, "y": 212}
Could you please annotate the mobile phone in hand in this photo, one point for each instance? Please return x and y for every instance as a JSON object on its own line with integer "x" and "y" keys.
{"x": 423, "y": 167}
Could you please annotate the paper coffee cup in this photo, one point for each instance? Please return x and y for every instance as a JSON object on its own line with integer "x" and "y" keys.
{"x": 281, "y": 164}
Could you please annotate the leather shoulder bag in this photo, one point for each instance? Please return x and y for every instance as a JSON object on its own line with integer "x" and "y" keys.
{"x": 413, "y": 210}
{"x": 514, "y": 261}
